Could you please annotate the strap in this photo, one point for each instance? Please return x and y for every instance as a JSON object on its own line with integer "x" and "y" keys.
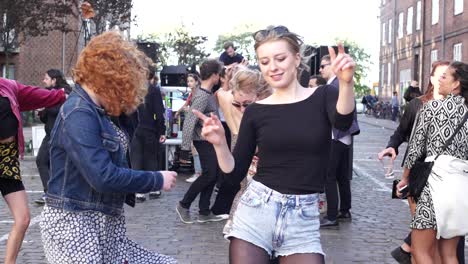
{"x": 449, "y": 141}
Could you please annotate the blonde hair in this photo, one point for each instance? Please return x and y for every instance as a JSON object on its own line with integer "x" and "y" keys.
{"x": 250, "y": 82}
{"x": 115, "y": 70}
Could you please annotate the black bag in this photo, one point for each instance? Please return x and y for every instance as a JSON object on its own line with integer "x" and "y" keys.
{"x": 421, "y": 169}
{"x": 418, "y": 176}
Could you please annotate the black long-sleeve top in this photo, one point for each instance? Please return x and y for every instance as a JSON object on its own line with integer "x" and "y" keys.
{"x": 49, "y": 114}
{"x": 403, "y": 131}
{"x": 293, "y": 142}
{"x": 151, "y": 113}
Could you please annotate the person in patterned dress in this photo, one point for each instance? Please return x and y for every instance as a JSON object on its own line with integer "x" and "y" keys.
{"x": 83, "y": 220}
{"x": 437, "y": 122}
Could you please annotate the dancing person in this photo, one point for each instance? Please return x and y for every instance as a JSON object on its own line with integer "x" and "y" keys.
{"x": 16, "y": 97}
{"x": 203, "y": 100}
{"x": 53, "y": 79}
{"x": 286, "y": 186}
{"x": 83, "y": 220}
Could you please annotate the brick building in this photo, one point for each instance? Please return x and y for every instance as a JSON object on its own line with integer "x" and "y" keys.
{"x": 35, "y": 56}
{"x": 413, "y": 34}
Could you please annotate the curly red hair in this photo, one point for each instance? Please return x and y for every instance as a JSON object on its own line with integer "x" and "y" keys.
{"x": 115, "y": 70}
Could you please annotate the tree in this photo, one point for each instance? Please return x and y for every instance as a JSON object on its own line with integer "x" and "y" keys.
{"x": 110, "y": 14}
{"x": 363, "y": 63}
{"x": 243, "y": 41}
{"x": 182, "y": 45}
{"x": 189, "y": 49}
{"x": 21, "y": 19}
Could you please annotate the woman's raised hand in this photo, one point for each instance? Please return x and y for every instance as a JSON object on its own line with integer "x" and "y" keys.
{"x": 342, "y": 64}
{"x": 212, "y": 130}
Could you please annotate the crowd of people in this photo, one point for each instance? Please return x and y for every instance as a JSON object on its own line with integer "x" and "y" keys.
{"x": 245, "y": 142}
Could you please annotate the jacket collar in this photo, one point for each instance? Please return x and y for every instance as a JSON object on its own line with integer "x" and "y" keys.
{"x": 83, "y": 94}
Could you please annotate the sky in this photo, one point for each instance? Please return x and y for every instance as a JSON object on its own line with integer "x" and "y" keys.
{"x": 317, "y": 21}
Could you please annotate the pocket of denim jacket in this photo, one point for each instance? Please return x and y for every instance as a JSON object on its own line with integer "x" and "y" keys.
{"x": 251, "y": 199}
{"x": 110, "y": 143}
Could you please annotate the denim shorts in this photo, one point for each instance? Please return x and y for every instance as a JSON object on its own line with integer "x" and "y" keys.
{"x": 281, "y": 224}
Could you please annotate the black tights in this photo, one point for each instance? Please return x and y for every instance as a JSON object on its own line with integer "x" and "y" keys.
{"x": 243, "y": 252}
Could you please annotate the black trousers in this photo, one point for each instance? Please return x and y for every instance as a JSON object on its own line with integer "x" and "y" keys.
{"x": 339, "y": 178}
{"x": 144, "y": 150}
{"x": 43, "y": 162}
{"x": 226, "y": 194}
{"x": 205, "y": 183}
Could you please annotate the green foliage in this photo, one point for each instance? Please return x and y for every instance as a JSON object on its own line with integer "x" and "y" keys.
{"x": 243, "y": 42}
{"x": 363, "y": 63}
{"x": 22, "y": 19}
{"x": 109, "y": 14}
{"x": 180, "y": 44}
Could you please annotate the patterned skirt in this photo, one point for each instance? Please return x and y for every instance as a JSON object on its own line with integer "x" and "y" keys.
{"x": 91, "y": 237}
{"x": 424, "y": 217}
{"x": 9, "y": 163}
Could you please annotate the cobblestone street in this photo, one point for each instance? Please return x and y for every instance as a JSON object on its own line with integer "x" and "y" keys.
{"x": 379, "y": 223}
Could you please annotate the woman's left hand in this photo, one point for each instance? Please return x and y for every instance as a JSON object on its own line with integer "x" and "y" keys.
{"x": 342, "y": 64}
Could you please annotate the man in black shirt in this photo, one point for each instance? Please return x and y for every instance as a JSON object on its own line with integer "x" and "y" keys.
{"x": 229, "y": 56}
{"x": 149, "y": 134}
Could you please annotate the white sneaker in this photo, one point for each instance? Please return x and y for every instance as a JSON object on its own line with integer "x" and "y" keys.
{"x": 140, "y": 197}
{"x": 193, "y": 178}
{"x": 223, "y": 216}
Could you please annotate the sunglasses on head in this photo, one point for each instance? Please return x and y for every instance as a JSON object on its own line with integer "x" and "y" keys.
{"x": 324, "y": 65}
{"x": 262, "y": 34}
{"x": 239, "y": 105}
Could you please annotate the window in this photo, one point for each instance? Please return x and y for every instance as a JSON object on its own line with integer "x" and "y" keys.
{"x": 390, "y": 35}
{"x": 11, "y": 71}
{"x": 433, "y": 56}
{"x": 458, "y": 7}
{"x": 389, "y": 73}
{"x": 382, "y": 74}
{"x": 457, "y": 52}
{"x": 435, "y": 12}
{"x": 384, "y": 34}
{"x": 409, "y": 21}
{"x": 418, "y": 15}
{"x": 401, "y": 22}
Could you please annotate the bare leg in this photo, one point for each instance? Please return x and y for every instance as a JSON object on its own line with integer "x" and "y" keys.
{"x": 243, "y": 252}
{"x": 448, "y": 250}
{"x": 423, "y": 245}
{"x": 309, "y": 258}
{"x": 18, "y": 204}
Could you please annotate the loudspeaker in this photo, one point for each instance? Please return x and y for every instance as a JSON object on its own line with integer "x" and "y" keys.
{"x": 151, "y": 49}
{"x": 319, "y": 53}
{"x": 174, "y": 75}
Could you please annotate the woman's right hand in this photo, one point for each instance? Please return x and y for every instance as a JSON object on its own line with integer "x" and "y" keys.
{"x": 169, "y": 178}
{"x": 404, "y": 181}
{"x": 387, "y": 152}
{"x": 213, "y": 130}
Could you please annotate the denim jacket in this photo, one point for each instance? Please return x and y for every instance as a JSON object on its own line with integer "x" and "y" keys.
{"x": 89, "y": 169}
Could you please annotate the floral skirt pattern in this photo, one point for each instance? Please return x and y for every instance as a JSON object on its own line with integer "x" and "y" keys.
{"x": 91, "y": 237}
{"x": 9, "y": 163}
{"x": 424, "y": 217}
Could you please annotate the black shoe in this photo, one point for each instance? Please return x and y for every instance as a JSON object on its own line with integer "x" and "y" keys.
{"x": 327, "y": 223}
{"x": 401, "y": 256}
{"x": 344, "y": 216}
{"x": 140, "y": 197}
{"x": 155, "y": 195}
